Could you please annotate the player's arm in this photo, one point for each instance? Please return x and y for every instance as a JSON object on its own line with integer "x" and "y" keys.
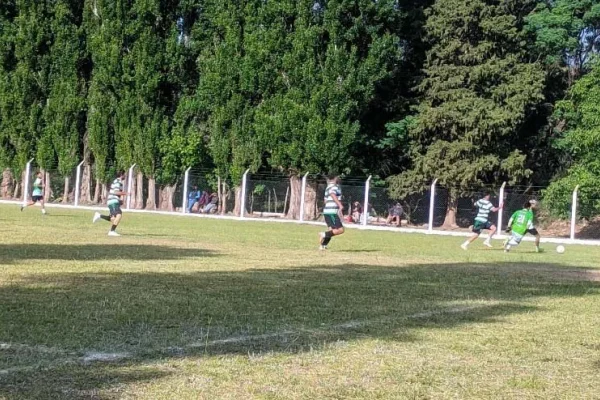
{"x": 510, "y": 222}
{"x": 496, "y": 209}
{"x": 336, "y": 200}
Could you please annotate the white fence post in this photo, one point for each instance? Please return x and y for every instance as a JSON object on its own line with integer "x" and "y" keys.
{"x": 129, "y": 179}
{"x": 186, "y": 182}
{"x": 26, "y": 187}
{"x": 431, "y": 206}
{"x": 303, "y": 196}
{"x": 77, "y": 183}
{"x": 574, "y": 213}
{"x": 501, "y": 205}
{"x": 244, "y": 181}
{"x": 366, "y": 204}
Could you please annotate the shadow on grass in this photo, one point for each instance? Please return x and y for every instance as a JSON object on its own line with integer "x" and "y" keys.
{"x": 81, "y": 252}
{"x": 160, "y": 316}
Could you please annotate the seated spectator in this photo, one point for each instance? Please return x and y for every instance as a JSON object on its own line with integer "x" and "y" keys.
{"x": 395, "y": 215}
{"x": 357, "y": 211}
{"x": 193, "y": 198}
{"x": 211, "y": 206}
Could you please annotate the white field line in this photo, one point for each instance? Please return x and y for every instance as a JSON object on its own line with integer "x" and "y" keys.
{"x": 91, "y": 357}
{"x": 339, "y": 327}
{"x": 289, "y": 221}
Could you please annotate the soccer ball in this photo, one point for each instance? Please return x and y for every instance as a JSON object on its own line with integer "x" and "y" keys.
{"x": 560, "y": 249}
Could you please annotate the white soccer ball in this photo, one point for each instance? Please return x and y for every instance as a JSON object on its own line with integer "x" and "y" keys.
{"x": 560, "y": 249}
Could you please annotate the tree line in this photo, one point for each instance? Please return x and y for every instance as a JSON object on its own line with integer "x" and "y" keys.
{"x": 471, "y": 92}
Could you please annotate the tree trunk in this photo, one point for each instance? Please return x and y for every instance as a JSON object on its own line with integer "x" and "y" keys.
{"x": 219, "y": 195}
{"x": 295, "y": 197}
{"x": 450, "y": 219}
{"x": 129, "y": 187}
{"x": 7, "y": 184}
{"x": 310, "y": 201}
{"x": 104, "y": 195}
{"x": 165, "y": 198}
{"x": 139, "y": 196}
{"x": 65, "y": 198}
{"x": 17, "y": 191}
{"x": 151, "y": 201}
{"x": 47, "y": 187}
{"x": 85, "y": 186}
{"x": 237, "y": 209}
{"x": 25, "y": 192}
{"x": 97, "y": 191}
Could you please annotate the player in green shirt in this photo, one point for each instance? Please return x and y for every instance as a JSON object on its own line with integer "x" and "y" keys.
{"x": 38, "y": 193}
{"x": 520, "y": 224}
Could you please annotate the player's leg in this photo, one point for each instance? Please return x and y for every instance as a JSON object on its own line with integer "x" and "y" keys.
{"x": 31, "y": 202}
{"x": 514, "y": 240}
{"x": 43, "y": 205}
{"x": 98, "y": 216}
{"x": 116, "y": 215}
{"x": 476, "y": 233}
{"x": 492, "y": 228}
{"x": 535, "y": 233}
{"x": 336, "y": 228}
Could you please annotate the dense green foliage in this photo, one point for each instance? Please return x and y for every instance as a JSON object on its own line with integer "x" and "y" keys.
{"x": 458, "y": 90}
{"x": 581, "y": 140}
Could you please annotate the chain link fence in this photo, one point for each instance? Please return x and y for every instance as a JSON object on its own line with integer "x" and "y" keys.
{"x": 276, "y": 195}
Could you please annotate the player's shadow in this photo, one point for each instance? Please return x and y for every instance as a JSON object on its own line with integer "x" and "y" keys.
{"x": 161, "y": 316}
{"x": 105, "y": 251}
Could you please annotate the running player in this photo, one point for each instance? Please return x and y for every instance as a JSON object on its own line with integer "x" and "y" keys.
{"x": 114, "y": 204}
{"x": 38, "y": 194}
{"x": 482, "y": 221}
{"x": 520, "y": 224}
{"x": 331, "y": 211}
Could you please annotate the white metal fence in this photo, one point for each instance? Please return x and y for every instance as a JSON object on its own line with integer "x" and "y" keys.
{"x": 269, "y": 196}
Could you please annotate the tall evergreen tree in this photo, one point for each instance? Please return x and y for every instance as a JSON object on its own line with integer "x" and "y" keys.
{"x": 104, "y": 24}
{"x": 335, "y": 55}
{"x": 65, "y": 105}
{"x": 8, "y": 13}
{"x": 480, "y": 89}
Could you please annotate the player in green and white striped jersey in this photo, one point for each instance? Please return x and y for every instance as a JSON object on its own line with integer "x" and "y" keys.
{"x": 331, "y": 212}
{"x": 38, "y": 193}
{"x": 114, "y": 204}
{"x": 482, "y": 221}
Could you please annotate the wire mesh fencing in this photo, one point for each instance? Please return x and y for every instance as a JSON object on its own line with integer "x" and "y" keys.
{"x": 267, "y": 194}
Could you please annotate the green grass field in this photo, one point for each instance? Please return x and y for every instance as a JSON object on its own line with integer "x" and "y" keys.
{"x": 188, "y": 308}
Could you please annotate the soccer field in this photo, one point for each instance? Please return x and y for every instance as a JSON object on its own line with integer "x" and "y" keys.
{"x": 190, "y": 308}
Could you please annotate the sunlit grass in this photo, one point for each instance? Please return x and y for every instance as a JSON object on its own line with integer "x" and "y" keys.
{"x": 193, "y": 308}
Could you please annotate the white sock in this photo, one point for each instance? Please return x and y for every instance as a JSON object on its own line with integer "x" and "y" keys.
{"x": 507, "y": 247}
{"x": 466, "y": 243}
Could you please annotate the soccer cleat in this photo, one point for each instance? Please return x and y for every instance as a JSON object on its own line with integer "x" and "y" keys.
{"x": 488, "y": 244}
{"x": 321, "y": 237}
{"x": 538, "y": 250}
{"x": 322, "y": 247}
{"x": 96, "y": 218}
{"x": 463, "y": 246}
{"x": 43, "y": 212}
{"x": 113, "y": 233}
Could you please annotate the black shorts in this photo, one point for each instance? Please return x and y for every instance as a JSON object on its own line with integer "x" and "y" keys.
{"x": 533, "y": 232}
{"x": 333, "y": 221}
{"x": 35, "y": 199}
{"x": 479, "y": 226}
{"x": 115, "y": 209}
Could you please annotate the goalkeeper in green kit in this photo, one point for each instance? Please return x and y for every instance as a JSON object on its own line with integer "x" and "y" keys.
{"x": 521, "y": 223}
